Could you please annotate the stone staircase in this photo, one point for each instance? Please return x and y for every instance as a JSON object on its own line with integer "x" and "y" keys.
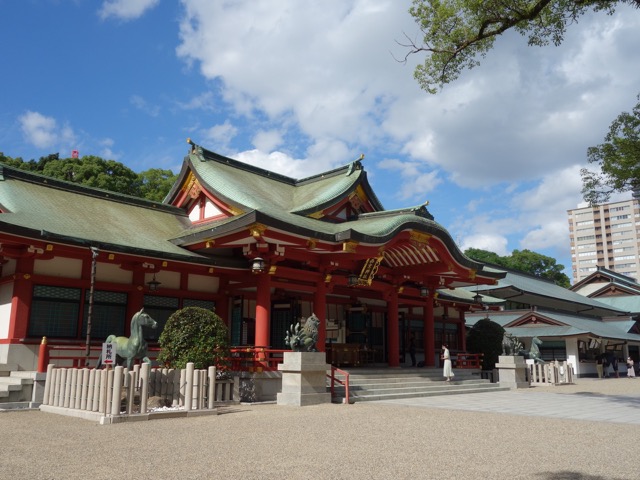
{"x": 16, "y": 387}
{"x": 366, "y": 385}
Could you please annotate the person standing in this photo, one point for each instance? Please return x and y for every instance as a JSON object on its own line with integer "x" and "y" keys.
{"x": 412, "y": 348}
{"x": 599, "y": 366}
{"x": 631, "y": 372}
{"x": 447, "y": 370}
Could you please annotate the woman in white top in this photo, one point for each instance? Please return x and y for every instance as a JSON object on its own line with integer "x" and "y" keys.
{"x": 447, "y": 370}
{"x": 631, "y": 372}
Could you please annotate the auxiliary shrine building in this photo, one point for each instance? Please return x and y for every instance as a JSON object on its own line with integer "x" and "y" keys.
{"x": 262, "y": 249}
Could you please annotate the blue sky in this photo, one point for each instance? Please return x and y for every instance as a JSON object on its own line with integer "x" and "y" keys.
{"x": 302, "y": 87}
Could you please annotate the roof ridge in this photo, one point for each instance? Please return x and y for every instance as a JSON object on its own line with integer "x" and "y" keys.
{"x": 204, "y": 154}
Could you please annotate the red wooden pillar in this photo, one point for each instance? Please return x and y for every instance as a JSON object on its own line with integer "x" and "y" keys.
{"x": 136, "y": 295}
{"x": 393, "y": 336}
{"x": 222, "y": 303}
{"x": 21, "y": 299}
{"x": 429, "y": 332}
{"x": 263, "y": 309}
{"x": 320, "y": 310}
{"x": 463, "y": 332}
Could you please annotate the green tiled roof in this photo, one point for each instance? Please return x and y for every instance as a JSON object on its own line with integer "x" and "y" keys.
{"x": 571, "y": 325}
{"x": 53, "y": 209}
{"x": 523, "y": 288}
{"x": 251, "y": 188}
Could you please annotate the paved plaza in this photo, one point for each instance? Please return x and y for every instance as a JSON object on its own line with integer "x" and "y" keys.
{"x": 587, "y": 431}
{"x": 607, "y": 400}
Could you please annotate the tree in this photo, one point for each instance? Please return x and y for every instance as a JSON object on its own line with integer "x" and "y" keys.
{"x": 196, "y": 335}
{"x": 457, "y": 33}
{"x": 524, "y": 261}
{"x": 486, "y": 337}
{"x": 618, "y": 159}
{"x": 153, "y": 184}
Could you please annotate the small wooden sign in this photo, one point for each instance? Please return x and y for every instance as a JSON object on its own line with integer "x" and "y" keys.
{"x": 108, "y": 353}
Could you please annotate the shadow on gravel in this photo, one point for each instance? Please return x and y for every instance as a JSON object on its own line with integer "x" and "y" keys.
{"x": 568, "y": 475}
{"x": 225, "y": 410}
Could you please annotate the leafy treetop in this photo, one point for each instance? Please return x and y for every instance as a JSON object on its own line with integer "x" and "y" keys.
{"x": 618, "y": 159}
{"x": 152, "y": 184}
{"x": 457, "y": 33}
{"x": 524, "y": 261}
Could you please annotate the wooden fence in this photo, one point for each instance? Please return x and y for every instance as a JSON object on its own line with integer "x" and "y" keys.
{"x": 118, "y": 392}
{"x": 552, "y": 373}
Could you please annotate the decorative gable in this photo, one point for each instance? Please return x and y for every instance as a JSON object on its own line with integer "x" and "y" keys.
{"x": 348, "y": 208}
{"x": 534, "y": 319}
{"x": 200, "y": 204}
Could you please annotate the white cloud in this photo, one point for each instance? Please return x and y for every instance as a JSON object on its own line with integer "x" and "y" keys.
{"x": 44, "y": 132}
{"x": 486, "y": 241}
{"x": 267, "y": 140}
{"x": 220, "y": 135}
{"x": 328, "y": 70}
{"x": 416, "y": 182}
{"x": 276, "y": 162}
{"x": 126, "y": 9}
{"x": 144, "y": 106}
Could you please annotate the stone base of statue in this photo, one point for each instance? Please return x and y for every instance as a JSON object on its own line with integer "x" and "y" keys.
{"x": 512, "y": 371}
{"x": 304, "y": 379}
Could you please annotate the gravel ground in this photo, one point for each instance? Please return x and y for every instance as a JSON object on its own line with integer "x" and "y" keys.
{"x": 363, "y": 440}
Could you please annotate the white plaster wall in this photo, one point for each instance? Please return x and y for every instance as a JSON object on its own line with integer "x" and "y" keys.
{"x": 59, "y": 267}
{"x": 194, "y": 214}
{"x": 203, "y": 283}
{"x": 108, "y": 272}
{"x": 573, "y": 354}
{"x": 211, "y": 210}
{"x": 6, "y": 292}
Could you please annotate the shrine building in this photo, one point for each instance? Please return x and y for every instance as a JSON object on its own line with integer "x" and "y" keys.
{"x": 262, "y": 249}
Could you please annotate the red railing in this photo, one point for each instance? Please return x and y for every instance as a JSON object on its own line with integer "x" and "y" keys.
{"x": 74, "y": 355}
{"x": 468, "y": 360}
{"x": 344, "y": 382}
{"x": 255, "y": 359}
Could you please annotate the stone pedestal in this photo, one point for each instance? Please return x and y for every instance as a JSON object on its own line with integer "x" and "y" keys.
{"x": 512, "y": 371}
{"x": 304, "y": 379}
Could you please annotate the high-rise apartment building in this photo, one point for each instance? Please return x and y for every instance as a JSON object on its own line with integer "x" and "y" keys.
{"x": 606, "y": 235}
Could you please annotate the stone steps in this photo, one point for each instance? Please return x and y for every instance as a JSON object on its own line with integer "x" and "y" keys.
{"x": 366, "y": 386}
{"x": 15, "y": 385}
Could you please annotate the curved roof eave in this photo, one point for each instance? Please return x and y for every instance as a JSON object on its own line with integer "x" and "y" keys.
{"x": 336, "y": 233}
{"x": 188, "y": 257}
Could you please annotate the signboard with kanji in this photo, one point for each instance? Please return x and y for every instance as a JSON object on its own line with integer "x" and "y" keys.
{"x": 108, "y": 353}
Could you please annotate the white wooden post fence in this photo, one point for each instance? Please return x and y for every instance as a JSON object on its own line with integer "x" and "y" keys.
{"x": 552, "y": 373}
{"x": 105, "y": 391}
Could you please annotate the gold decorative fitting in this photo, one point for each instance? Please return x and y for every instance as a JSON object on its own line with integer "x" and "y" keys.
{"x": 164, "y": 264}
{"x": 349, "y": 247}
{"x": 26, "y": 276}
{"x": 472, "y": 274}
{"x": 327, "y": 278}
{"x": 419, "y": 239}
{"x": 311, "y": 243}
{"x": 316, "y": 215}
{"x": 111, "y": 256}
{"x": 257, "y": 230}
{"x": 49, "y": 247}
{"x": 272, "y": 270}
{"x": 211, "y": 270}
{"x": 210, "y": 243}
{"x": 401, "y": 289}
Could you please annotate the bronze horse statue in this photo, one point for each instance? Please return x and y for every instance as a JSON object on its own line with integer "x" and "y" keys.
{"x": 534, "y": 352}
{"x": 135, "y": 346}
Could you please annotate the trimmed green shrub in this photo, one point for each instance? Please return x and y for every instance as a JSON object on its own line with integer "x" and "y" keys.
{"x": 196, "y": 335}
{"x": 486, "y": 337}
